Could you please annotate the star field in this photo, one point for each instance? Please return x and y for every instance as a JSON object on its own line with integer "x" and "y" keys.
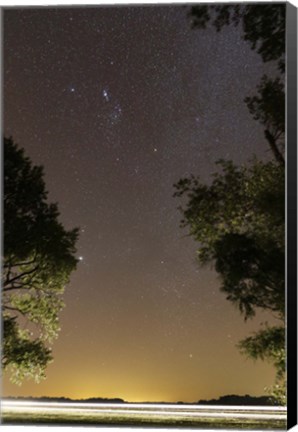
{"x": 117, "y": 104}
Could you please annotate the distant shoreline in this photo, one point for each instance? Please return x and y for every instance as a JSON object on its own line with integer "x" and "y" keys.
{"x": 223, "y": 400}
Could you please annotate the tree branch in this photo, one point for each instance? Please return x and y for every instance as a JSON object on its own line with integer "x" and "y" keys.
{"x": 10, "y": 265}
{"x": 272, "y": 142}
{"x": 13, "y": 309}
{"x": 11, "y": 281}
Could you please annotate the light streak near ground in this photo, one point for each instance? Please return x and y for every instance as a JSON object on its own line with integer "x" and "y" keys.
{"x": 11, "y": 403}
{"x": 165, "y": 410}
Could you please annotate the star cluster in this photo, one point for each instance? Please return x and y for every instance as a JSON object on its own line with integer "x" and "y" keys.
{"x": 119, "y": 103}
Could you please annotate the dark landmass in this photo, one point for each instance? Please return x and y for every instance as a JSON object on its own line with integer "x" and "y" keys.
{"x": 64, "y": 399}
{"x": 239, "y": 400}
{"x": 223, "y": 400}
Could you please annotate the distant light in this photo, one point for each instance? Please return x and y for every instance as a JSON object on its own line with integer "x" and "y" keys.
{"x": 155, "y": 150}
{"x": 81, "y": 258}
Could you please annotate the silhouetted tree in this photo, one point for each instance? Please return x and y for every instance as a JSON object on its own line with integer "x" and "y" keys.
{"x": 268, "y": 107}
{"x": 263, "y": 26}
{"x": 238, "y": 220}
{"x": 269, "y": 343}
{"x": 39, "y": 255}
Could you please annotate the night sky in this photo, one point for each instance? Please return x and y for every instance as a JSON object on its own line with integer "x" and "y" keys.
{"x": 117, "y": 104}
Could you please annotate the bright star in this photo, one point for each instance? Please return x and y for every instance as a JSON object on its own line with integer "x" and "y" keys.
{"x": 81, "y": 258}
{"x": 106, "y": 95}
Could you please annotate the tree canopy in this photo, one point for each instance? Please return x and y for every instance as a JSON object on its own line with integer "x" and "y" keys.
{"x": 268, "y": 107}
{"x": 263, "y": 25}
{"x": 238, "y": 222}
{"x": 238, "y": 219}
{"x": 39, "y": 255}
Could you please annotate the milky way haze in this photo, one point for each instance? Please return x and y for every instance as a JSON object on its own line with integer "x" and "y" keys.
{"x": 117, "y": 104}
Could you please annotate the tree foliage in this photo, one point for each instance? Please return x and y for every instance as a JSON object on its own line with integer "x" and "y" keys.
{"x": 238, "y": 219}
{"x": 269, "y": 343}
{"x": 268, "y": 107}
{"x": 263, "y": 25}
{"x": 39, "y": 255}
